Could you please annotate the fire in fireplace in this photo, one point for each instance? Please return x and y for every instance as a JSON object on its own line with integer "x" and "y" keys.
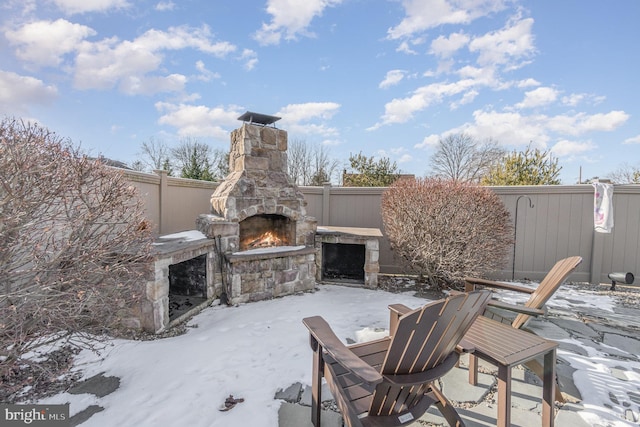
{"x": 266, "y": 230}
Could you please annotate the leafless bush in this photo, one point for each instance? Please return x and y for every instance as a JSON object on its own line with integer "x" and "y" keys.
{"x": 73, "y": 242}
{"x": 446, "y": 230}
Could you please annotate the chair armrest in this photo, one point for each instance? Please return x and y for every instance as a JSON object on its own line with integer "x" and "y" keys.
{"x": 516, "y": 308}
{"x": 465, "y": 346}
{"x": 471, "y": 282}
{"x": 395, "y": 312}
{"x": 327, "y": 339}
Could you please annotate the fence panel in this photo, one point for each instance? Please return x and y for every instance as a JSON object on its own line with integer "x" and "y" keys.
{"x": 559, "y": 223}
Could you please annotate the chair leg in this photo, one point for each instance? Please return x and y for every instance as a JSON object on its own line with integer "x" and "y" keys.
{"x": 316, "y": 383}
{"x": 473, "y": 370}
{"x": 446, "y": 408}
{"x": 538, "y": 369}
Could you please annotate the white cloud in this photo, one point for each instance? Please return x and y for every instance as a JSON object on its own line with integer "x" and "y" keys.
{"x": 23, "y": 7}
{"x": 296, "y": 113}
{"x": 165, "y": 5}
{"x": 309, "y": 118}
{"x": 447, "y": 46}
{"x": 538, "y": 97}
{"x": 508, "y": 46}
{"x": 405, "y": 158}
{"x": 405, "y": 48}
{"x": 392, "y": 78}
{"x": 566, "y": 148}
{"x": 82, "y": 6}
{"x": 634, "y": 140}
{"x": 198, "y": 120}
{"x": 290, "y": 19}
{"x": 429, "y": 141}
{"x": 205, "y": 74}
{"x": 46, "y": 42}
{"x": 126, "y": 64}
{"x": 509, "y": 128}
{"x": 398, "y": 154}
{"x": 527, "y": 83}
{"x": 467, "y": 98}
{"x": 517, "y": 130}
{"x": 422, "y": 15}
{"x": 18, "y": 93}
{"x": 148, "y": 85}
{"x": 332, "y": 142}
{"x": 251, "y": 59}
{"x": 401, "y": 110}
{"x": 581, "y": 123}
{"x": 575, "y": 99}
{"x": 176, "y": 38}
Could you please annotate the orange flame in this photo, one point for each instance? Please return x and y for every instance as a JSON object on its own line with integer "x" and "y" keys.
{"x": 266, "y": 240}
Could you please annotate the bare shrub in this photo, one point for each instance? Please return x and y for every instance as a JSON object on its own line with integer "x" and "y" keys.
{"x": 73, "y": 242}
{"x": 445, "y": 230}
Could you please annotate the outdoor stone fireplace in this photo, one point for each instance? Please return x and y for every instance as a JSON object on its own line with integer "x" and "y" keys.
{"x": 257, "y": 242}
{"x": 258, "y": 217}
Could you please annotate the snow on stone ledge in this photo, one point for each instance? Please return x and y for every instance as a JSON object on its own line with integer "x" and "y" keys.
{"x": 183, "y": 236}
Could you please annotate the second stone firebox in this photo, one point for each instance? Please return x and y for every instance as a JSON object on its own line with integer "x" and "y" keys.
{"x": 257, "y": 213}
{"x": 348, "y": 255}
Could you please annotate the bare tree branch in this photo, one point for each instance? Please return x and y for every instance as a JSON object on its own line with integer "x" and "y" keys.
{"x": 74, "y": 243}
{"x": 153, "y": 154}
{"x": 462, "y": 158}
{"x": 310, "y": 164}
{"x": 445, "y": 229}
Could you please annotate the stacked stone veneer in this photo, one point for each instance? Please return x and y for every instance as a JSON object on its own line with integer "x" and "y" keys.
{"x": 155, "y": 306}
{"x": 258, "y": 183}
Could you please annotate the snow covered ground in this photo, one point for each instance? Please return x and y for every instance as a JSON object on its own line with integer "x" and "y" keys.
{"x": 251, "y": 351}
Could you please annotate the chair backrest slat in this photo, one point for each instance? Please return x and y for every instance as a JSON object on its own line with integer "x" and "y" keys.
{"x": 549, "y": 285}
{"x": 424, "y": 339}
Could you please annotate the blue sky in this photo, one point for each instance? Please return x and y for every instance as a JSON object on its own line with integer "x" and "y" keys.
{"x": 388, "y": 78}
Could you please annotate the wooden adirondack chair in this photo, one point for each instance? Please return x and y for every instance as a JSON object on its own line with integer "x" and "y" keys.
{"x": 533, "y": 307}
{"x": 390, "y": 381}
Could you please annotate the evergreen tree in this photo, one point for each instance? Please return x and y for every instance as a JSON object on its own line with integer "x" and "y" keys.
{"x": 195, "y": 168}
{"x": 529, "y": 167}
{"x": 193, "y": 158}
{"x": 166, "y": 165}
{"x": 370, "y": 173}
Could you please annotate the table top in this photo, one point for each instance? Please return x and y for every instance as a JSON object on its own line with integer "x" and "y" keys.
{"x": 502, "y": 344}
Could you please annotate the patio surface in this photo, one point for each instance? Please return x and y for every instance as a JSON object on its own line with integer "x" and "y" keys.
{"x": 617, "y": 334}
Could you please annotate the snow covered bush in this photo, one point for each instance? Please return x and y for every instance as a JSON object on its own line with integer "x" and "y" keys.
{"x": 73, "y": 242}
{"x": 445, "y": 230}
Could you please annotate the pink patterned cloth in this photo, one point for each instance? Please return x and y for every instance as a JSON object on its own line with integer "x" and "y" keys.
{"x": 603, "y": 207}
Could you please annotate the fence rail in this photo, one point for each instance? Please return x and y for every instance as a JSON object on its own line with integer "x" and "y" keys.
{"x": 553, "y": 222}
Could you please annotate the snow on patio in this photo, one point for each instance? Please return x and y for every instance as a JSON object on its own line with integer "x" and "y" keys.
{"x": 253, "y": 350}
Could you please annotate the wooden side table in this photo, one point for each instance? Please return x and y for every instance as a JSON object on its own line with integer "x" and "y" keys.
{"x": 507, "y": 347}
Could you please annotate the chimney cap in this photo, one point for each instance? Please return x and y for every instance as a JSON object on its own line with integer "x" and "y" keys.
{"x": 258, "y": 118}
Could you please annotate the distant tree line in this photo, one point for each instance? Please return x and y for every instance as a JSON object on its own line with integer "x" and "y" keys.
{"x": 459, "y": 157}
{"x": 189, "y": 159}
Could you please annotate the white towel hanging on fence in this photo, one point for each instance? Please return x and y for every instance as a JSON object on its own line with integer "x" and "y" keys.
{"x": 603, "y": 207}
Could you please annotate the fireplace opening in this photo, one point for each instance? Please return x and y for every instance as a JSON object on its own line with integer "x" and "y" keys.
{"x": 343, "y": 261}
{"x": 187, "y": 285}
{"x": 266, "y": 230}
